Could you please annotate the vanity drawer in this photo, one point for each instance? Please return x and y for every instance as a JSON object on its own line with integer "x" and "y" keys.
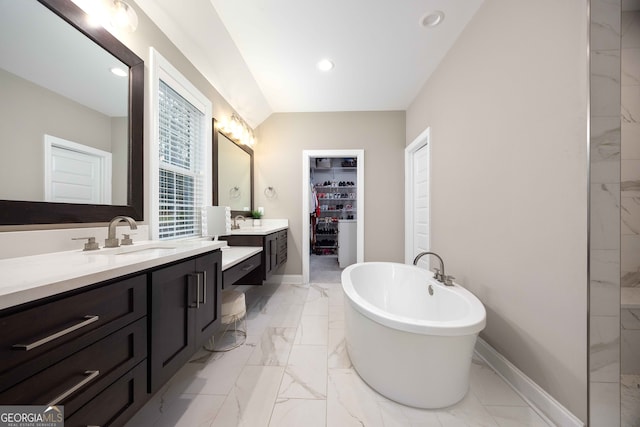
{"x": 44, "y": 334}
{"x": 244, "y": 240}
{"x": 75, "y": 380}
{"x": 238, "y": 271}
{"x": 282, "y": 247}
{"x": 115, "y": 405}
{"x": 282, "y": 240}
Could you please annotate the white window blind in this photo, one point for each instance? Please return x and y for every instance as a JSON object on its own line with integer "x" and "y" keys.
{"x": 181, "y": 165}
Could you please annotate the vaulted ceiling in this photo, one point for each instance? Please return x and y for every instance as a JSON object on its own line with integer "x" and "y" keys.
{"x": 262, "y": 55}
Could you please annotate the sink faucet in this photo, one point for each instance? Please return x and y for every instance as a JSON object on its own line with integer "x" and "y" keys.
{"x": 235, "y": 225}
{"x": 112, "y": 241}
{"x": 439, "y": 275}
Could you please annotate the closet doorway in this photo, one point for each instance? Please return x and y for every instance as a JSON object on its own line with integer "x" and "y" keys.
{"x": 332, "y": 212}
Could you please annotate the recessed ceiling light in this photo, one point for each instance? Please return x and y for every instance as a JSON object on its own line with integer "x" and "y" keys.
{"x": 119, "y": 72}
{"x": 432, "y": 19}
{"x": 325, "y": 65}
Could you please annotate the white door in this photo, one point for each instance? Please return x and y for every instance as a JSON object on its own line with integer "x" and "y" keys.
{"x": 75, "y": 173}
{"x": 421, "y": 202}
{"x": 417, "y": 160}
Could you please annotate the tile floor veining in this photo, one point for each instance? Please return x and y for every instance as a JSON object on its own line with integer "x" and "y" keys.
{"x": 294, "y": 370}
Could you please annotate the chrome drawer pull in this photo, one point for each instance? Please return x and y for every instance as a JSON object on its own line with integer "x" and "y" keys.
{"x": 64, "y": 395}
{"x": 198, "y": 291}
{"x": 197, "y": 303}
{"x": 247, "y": 268}
{"x": 204, "y": 287}
{"x": 26, "y": 347}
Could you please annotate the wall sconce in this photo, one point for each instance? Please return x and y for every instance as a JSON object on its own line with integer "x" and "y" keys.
{"x": 237, "y": 129}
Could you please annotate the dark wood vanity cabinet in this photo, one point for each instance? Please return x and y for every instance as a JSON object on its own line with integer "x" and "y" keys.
{"x": 274, "y": 251}
{"x": 245, "y": 272}
{"x": 185, "y": 312}
{"x": 100, "y": 350}
{"x": 74, "y": 348}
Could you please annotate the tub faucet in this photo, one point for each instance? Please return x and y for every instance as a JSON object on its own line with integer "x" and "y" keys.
{"x": 235, "y": 224}
{"x": 112, "y": 241}
{"x": 439, "y": 275}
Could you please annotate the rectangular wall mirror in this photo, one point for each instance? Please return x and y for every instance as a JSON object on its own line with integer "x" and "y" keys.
{"x": 232, "y": 174}
{"x": 58, "y": 83}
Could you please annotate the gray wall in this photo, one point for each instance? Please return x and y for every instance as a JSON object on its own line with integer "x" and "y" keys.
{"x": 507, "y": 110}
{"x": 278, "y": 158}
{"x": 29, "y": 111}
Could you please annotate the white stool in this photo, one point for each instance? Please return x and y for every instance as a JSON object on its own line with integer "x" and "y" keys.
{"x": 233, "y": 329}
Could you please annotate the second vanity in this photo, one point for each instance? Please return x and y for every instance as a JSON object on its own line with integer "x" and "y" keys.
{"x": 100, "y": 332}
{"x": 272, "y": 238}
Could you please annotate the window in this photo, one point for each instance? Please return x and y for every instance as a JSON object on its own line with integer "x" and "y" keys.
{"x": 182, "y": 137}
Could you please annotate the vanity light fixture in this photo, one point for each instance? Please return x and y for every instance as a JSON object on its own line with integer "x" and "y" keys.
{"x": 119, "y": 72}
{"x": 432, "y": 19}
{"x": 325, "y": 65}
{"x": 111, "y": 14}
{"x": 123, "y": 16}
{"x": 237, "y": 129}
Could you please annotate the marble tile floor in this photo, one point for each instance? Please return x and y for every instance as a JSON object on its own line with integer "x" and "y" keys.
{"x": 630, "y": 397}
{"x": 293, "y": 370}
{"x": 324, "y": 269}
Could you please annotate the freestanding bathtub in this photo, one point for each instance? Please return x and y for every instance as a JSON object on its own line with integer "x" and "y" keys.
{"x": 410, "y": 337}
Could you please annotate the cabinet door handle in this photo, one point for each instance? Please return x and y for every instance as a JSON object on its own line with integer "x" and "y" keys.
{"x": 197, "y": 303}
{"x": 26, "y": 347}
{"x": 90, "y": 376}
{"x": 247, "y": 268}
{"x": 204, "y": 287}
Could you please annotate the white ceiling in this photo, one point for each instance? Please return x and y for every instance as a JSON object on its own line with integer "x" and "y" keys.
{"x": 262, "y": 56}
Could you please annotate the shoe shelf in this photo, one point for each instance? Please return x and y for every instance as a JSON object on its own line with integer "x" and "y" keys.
{"x": 335, "y": 185}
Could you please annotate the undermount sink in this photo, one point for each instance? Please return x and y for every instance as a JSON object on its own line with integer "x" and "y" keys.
{"x": 143, "y": 250}
{"x": 134, "y": 249}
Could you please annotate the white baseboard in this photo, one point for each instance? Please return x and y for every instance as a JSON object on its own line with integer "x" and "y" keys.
{"x": 541, "y": 401}
{"x": 286, "y": 279}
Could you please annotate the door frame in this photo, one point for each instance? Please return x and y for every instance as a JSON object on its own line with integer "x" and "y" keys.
{"x": 50, "y": 141}
{"x": 306, "y": 194}
{"x": 409, "y": 152}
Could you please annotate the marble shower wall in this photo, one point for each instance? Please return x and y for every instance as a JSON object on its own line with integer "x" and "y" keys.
{"x": 604, "y": 321}
{"x": 630, "y": 190}
{"x": 630, "y": 165}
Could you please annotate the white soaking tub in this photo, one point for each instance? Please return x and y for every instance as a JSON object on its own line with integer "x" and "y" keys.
{"x": 410, "y": 337}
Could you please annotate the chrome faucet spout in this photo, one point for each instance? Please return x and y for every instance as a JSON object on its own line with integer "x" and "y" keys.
{"x": 235, "y": 225}
{"x": 112, "y": 241}
{"x": 440, "y": 274}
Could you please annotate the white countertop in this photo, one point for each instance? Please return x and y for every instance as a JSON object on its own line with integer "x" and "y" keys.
{"x": 268, "y": 226}
{"x": 33, "y": 277}
{"x": 233, "y": 255}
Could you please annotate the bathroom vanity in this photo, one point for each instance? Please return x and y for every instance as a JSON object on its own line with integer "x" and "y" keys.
{"x": 98, "y": 332}
{"x": 272, "y": 238}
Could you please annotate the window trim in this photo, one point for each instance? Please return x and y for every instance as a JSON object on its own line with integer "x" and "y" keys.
{"x": 161, "y": 69}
